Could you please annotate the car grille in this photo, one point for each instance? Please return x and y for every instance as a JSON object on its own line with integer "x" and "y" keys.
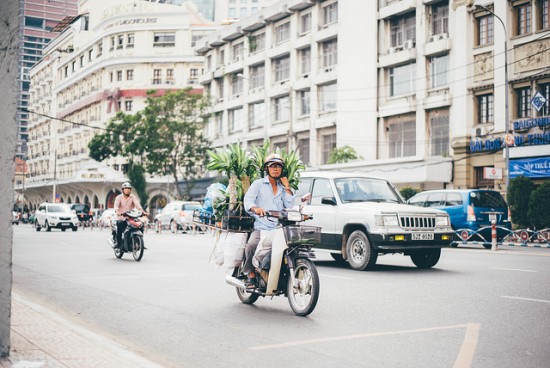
{"x": 64, "y": 218}
{"x": 417, "y": 222}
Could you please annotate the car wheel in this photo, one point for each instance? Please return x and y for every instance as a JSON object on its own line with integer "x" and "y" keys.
{"x": 74, "y": 227}
{"x": 63, "y": 229}
{"x": 36, "y": 226}
{"x": 426, "y": 258}
{"x": 47, "y": 226}
{"x": 361, "y": 255}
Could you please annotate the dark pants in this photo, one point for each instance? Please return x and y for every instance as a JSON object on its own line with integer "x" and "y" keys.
{"x": 249, "y": 251}
{"x": 120, "y": 227}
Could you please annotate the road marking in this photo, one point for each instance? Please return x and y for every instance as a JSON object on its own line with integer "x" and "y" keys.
{"x": 512, "y": 269}
{"x": 528, "y": 299}
{"x": 468, "y": 349}
{"x": 336, "y": 277}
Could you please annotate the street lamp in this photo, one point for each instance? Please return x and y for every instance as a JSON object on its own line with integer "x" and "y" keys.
{"x": 506, "y": 118}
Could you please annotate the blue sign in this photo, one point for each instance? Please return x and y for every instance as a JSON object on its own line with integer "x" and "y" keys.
{"x": 530, "y": 167}
{"x": 538, "y": 101}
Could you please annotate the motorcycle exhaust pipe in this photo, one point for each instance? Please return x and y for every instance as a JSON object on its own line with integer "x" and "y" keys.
{"x": 235, "y": 282}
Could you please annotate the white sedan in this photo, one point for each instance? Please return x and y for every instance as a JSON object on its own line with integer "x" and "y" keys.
{"x": 106, "y": 217}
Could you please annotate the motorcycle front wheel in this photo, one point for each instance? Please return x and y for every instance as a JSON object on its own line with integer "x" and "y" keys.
{"x": 303, "y": 289}
{"x": 118, "y": 252}
{"x": 137, "y": 247}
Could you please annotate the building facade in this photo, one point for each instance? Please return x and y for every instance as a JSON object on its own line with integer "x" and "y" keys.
{"x": 37, "y": 21}
{"x": 416, "y": 87}
{"x": 104, "y": 61}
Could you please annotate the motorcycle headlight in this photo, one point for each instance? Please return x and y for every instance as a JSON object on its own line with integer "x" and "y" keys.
{"x": 442, "y": 221}
{"x": 387, "y": 220}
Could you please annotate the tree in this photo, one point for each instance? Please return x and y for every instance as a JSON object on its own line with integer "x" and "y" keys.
{"x": 136, "y": 175}
{"x": 519, "y": 192}
{"x": 165, "y": 138}
{"x": 539, "y": 203}
{"x": 408, "y": 192}
{"x": 342, "y": 155}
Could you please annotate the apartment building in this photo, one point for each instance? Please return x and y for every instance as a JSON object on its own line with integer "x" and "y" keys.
{"x": 105, "y": 60}
{"x": 416, "y": 87}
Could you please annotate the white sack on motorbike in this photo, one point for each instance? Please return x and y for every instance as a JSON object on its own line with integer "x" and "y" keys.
{"x": 229, "y": 249}
{"x": 264, "y": 246}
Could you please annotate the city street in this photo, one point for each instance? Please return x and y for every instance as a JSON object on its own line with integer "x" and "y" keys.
{"x": 475, "y": 308}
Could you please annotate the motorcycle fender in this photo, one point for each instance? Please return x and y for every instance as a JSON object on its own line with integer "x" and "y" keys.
{"x": 137, "y": 232}
{"x": 277, "y": 252}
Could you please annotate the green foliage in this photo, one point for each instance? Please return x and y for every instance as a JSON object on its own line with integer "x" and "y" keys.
{"x": 342, "y": 155}
{"x": 408, "y": 192}
{"x": 165, "y": 138}
{"x": 539, "y": 203}
{"x": 519, "y": 192}
{"x": 136, "y": 175}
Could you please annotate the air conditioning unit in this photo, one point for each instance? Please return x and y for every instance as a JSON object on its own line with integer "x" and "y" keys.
{"x": 480, "y": 132}
{"x": 433, "y": 38}
{"x": 409, "y": 44}
{"x": 443, "y": 36}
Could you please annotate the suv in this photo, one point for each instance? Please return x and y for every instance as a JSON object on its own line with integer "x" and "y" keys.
{"x": 82, "y": 211}
{"x": 469, "y": 209}
{"x": 55, "y": 215}
{"x": 178, "y": 215}
{"x": 361, "y": 216}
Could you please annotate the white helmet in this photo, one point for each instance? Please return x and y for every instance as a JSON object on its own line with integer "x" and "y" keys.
{"x": 126, "y": 185}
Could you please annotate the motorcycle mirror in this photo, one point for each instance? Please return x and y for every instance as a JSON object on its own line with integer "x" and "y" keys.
{"x": 306, "y": 197}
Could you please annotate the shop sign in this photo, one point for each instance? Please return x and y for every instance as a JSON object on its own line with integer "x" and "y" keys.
{"x": 538, "y": 101}
{"x": 93, "y": 175}
{"x": 492, "y": 173}
{"x": 478, "y": 145}
{"x": 538, "y": 167}
{"x": 523, "y": 124}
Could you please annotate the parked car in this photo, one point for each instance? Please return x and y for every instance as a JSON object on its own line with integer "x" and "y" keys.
{"x": 55, "y": 215}
{"x": 468, "y": 209}
{"x": 178, "y": 215}
{"x": 82, "y": 211}
{"x": 106, "y": 217}
{"x": 14, "y": 217}
{"x": 362, "y": 216}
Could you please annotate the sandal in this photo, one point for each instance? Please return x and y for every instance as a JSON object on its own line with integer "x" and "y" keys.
{"x": 251, "y": 283}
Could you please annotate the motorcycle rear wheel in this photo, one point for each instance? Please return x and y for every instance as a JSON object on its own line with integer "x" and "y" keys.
{"x": 118, "y": 252}
{"x": 303, "y": 293}
{"x": 137, "y": 248}
{"x": 245, "y": 298}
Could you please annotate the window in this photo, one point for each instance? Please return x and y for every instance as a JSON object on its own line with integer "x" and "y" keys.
{"x": 304, "y": 57}
{"x": 523, "y": 98}
{"x": 130, "y": 40}
{"x": 544, "y": 16}
{"x": 440, "y": 19}
{"x": 305, "y": 23}
{"x": 402, "y": 29}
{"x": 402, "y": 139}
{"x": 523, "y": 18}
{"x": 321, "y": 188}
{"x": 164, "y": 39}
{"x": 128, "y": 105}
{"x": 329, "y": 50}
{"x": 327, "y": 98}
{"x": 329, "y": 14}
{"x": 485, "y": 107}
{"x": 90, "y": 54}
{"x": 257, "y": 76}
{"x": 232, "y": 13}
{"x": 545, "y": 91}
{"x": 329, "y": 144}
{"x": 221, "y": 58}
{"x": 281, "y": 68}
{"x": 157, "y": 76}
{"x": 81, "y": 61}
{"x": 402, "y": 80}
{"x": 281, "y": 107}
{"x": 220, "y": 88}
{"x": 99, "y": 48}
{"x": 120, "y": 41}
{"x": 170, "y": 76}
{"x": 303, "y": 151}
{"x": 193, "y": 74}
{"x": 243, "y": 12}
{"x": 119, "y": 75}
{"x": 282, "y": 33}
{"x": 236, "y": 84}
{"x": 304, "y": 101}
{"x": 256, "y": 43}
{"x": 439, "y": 72}
{"x": 439, "y": 140}
{"x": 235, "y": 120}
{"x": 238, "y": 51}
{"x": 485, "y": 30}
{"x": 256, "y": 114}
{"x": 130, "y": 74}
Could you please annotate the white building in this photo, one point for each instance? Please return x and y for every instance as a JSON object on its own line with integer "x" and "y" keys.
{"x": 412, "y": 85}
{"x": 103, "y": 62}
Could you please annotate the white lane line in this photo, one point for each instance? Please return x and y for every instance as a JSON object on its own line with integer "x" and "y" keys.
{"x": 512, "y": 269}
{"x": 528, "y": 299}
{"x": 468, "y": 348}
{"x": 335, "y": 277}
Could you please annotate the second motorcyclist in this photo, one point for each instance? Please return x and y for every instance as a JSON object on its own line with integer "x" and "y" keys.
{"x": 123, "y": 203}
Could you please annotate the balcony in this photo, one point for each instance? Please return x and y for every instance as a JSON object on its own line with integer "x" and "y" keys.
{"x": 437, "y": 44}
{"x": 398, "y": 55}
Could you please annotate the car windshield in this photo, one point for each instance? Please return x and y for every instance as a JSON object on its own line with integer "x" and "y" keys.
{"x": 80, "y": 208}
{"x": 487, "y": 199}
{"x": 365, "y": 190}
{"x": 60, "y": 209}
{"x": 191, "y": 207}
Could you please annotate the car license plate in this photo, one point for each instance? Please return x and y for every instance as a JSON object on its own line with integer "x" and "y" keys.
{"x": 65, "y": 224}
{"x": 422, "y": 236}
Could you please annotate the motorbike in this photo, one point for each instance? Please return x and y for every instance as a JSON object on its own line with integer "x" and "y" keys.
{"x": 132, "y": 238}
{"x": 286, "y": 269}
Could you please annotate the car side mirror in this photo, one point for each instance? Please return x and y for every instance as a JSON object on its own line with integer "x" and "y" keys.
{"x": 328, "y": 200}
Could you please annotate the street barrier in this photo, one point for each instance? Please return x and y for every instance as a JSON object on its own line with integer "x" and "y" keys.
{"x": 521, "y": 237}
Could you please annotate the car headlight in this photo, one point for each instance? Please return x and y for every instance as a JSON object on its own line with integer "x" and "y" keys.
{"x": 442, "y": 221}
{"x": 387, "y": 220}
{"x": 54, "y": 217}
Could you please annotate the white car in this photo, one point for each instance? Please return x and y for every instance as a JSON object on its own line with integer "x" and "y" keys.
{"x": 106, "y": 217}
{"x": 178, "y": 215}
{"x": 55, "y": 215}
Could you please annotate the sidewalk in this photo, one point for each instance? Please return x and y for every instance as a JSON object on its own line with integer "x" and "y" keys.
{"x": 41, "y": 338}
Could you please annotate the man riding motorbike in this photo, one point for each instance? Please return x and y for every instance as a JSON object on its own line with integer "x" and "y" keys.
{"x": 271, "y": 193}
{"x": 125, "y": 202}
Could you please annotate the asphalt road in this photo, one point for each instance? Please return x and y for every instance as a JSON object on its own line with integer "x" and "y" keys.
{"x": 476, "y": 308}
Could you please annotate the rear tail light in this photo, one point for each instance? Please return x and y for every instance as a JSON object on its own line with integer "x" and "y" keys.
{"x": 509, "y": 215}
{"x": 471, "y": 214}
